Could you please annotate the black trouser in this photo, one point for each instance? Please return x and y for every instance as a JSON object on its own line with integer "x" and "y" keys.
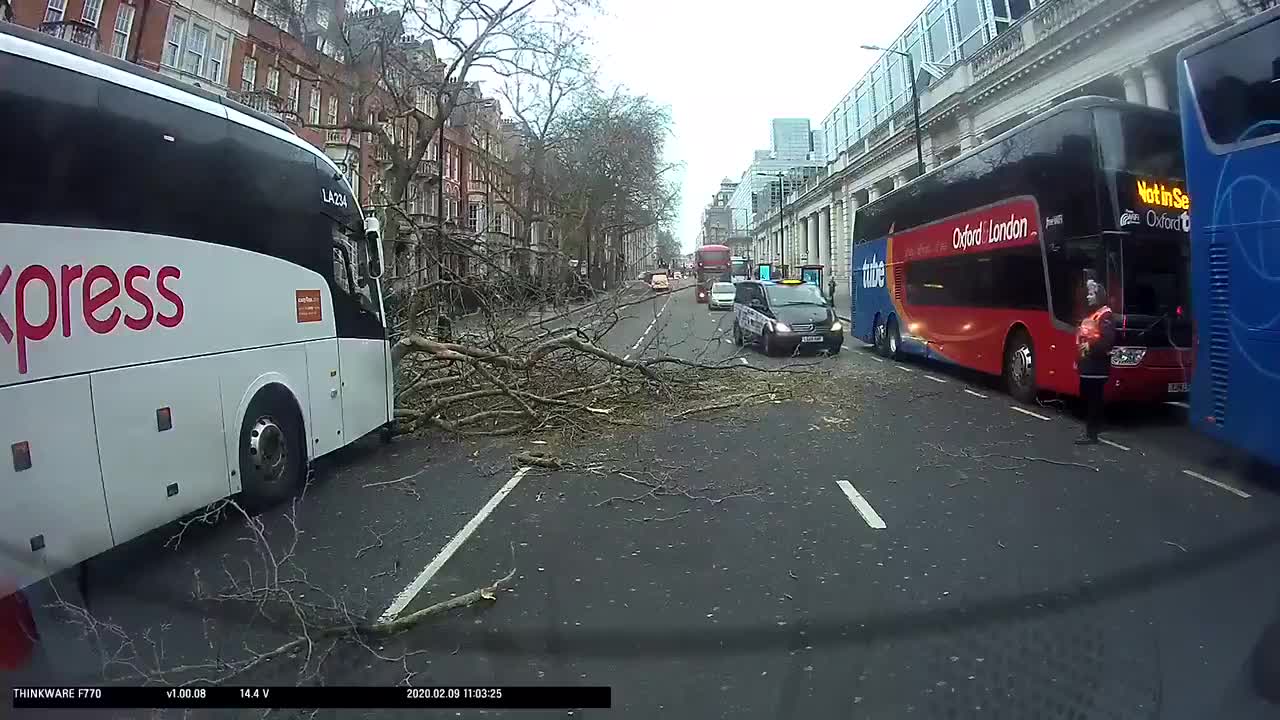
{"x": 1091, "y": 390}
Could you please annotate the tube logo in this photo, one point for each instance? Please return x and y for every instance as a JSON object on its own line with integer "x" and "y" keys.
{"x": 872, "y": 273}
{"x": 99, "y": 288}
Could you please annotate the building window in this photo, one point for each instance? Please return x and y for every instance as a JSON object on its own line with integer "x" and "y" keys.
{"x": 124, "y": 25}
{"x": 173, "y": 41}
{"x": 197, "y": 41}
{"x": 351, "y": 108}
{"x": 217, "y": 54}
{"x": 295, "y": 87}
{"x": 248, "y": 74}
{"x": 273, "y": 81}
{"x": 273, "y": 11}
{"x": 55, "y": 10}
{"x": 313, "y": 116}
{"x": 92, "y": 11}
{"x": 473, "y": 216}
{"x": 333, "y": 109}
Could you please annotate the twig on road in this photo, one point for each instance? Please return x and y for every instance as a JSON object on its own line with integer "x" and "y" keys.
{"x": 377, "y": 543}
{"x": 393, "y": 482}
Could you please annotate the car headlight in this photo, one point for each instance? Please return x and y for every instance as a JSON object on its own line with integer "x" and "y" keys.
{"x": 836, "y": 326}
{"x": 781, "y": 327}
{"x": 1127, "y": 356}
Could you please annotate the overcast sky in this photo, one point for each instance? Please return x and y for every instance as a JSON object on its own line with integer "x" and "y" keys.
{"x": 725, "y": 69}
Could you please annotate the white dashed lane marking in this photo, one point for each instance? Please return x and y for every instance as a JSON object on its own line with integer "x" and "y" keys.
{"x": 904, "y": 368}
{"x": 1182, "y": 405}
{"x": 879, "y": 360}
{"x": 1025, "y": 411}
{"x": 975, "y": 394}
{"x": 935, "y": 379}
{"x": 1114, "y": 444}
{"x": 1211, "y": 481}
{"x": 860, "y": 504}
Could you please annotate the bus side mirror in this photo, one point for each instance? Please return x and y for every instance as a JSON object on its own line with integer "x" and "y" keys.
{"x": 373, "y": 238}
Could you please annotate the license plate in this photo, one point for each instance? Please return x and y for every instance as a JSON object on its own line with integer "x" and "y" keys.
{"x": 1179, "y": 387}
{"x": 811, "y": 338}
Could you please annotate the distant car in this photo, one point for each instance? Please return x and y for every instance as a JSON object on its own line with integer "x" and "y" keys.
{"x": 659, "y": 282}
{"x": 722, "y": 294}
{"x": 677, "y": 275}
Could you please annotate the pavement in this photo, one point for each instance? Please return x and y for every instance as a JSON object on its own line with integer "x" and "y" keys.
{"x": 909, "y": 543}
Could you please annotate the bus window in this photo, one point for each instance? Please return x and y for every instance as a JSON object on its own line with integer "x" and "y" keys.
{"x": 349, "y": 278}
{"x": 1068, "y": 261}
{"x": 55, "y": 167}
{"x": 1140, "y": 143}
{"x": 1236, "y": 85}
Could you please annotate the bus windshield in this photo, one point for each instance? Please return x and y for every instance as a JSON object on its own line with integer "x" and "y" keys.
{"x": 1141, "y": 142}
{"x": 1156, "y": 281}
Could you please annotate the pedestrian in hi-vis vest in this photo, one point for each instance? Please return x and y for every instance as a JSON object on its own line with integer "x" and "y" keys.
{"x": 1094, "y": 340}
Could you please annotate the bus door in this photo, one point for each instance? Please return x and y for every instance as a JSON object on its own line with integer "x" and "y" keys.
{"x": 363, "y": 353}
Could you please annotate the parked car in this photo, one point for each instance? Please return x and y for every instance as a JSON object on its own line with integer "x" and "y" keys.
{"x": 659, "y": 282}
{"x": 722, "y": 294}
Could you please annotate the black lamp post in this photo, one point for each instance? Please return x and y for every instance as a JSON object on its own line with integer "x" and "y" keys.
{"x": 915, "y": 101}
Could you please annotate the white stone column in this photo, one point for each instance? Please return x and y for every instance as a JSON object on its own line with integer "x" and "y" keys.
{"x": 814, "y": 235}
{"x": 899, "y": 179}
{"x": 1157, "y": 93}
{"x": 851, "y": 219}
{"x": 824, "y": 239}
{"x": 965, "y": 132}
{"x": 873, "y": 194}
{"x": 1134, "y": 91}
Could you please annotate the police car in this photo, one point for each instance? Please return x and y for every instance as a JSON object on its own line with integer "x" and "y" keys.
{"x": 784, "y": 316}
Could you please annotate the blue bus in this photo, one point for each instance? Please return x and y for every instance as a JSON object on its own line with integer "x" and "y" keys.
{"x": 1229, "y": 94}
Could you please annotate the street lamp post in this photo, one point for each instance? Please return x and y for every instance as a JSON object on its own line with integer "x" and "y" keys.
{"x": 915, "y": 101}
{"x": 782, "y": 212}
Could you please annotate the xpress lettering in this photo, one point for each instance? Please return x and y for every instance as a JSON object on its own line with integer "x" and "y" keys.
{"x": 36, "y": 300}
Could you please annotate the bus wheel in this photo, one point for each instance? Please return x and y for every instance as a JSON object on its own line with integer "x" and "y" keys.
{"x": 1020, "y": 369}
{"x": 737, "y": 335}
{"x": 892, "y": 340}
{"x": 272, "y": 463}
{"x": 877, "y": 337}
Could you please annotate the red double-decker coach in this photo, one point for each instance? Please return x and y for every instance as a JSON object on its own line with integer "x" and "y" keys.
{"x": 982, "y": 262}
{"x": 710, "y": 264}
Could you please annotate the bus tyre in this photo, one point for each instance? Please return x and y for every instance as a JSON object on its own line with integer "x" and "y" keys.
{"x": 1019, "y": 368}
{"x": 878, "y": 338}
{"x": 737, "y": 334}
{"x": 892, "y": 340}
{"x": 272, "y": 462}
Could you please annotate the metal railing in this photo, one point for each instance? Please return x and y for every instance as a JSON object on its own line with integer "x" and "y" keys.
{"x": 342, "y": 136}
{"x": 1042, "y": 21}
{"x": 263, "y": 101}
{"x": 73, "y": 31}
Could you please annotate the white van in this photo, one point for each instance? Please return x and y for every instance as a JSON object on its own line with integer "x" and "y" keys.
{"x": 659, "y": 282}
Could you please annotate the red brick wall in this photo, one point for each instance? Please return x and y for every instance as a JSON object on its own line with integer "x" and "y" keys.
{"x": 30, "y": 13}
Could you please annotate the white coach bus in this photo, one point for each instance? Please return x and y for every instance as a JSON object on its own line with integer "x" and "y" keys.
{"x": 189, "y": 305}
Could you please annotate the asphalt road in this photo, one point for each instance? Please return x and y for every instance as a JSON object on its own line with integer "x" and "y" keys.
{"x": 911, "y": 543}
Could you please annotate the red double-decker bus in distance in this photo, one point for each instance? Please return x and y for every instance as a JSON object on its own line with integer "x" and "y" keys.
{"x": 982, "y": 261}
{"x": 710, "y": 264}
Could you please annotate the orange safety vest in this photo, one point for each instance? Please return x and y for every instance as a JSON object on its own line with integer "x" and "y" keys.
{"x": 1090, "y": 331}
